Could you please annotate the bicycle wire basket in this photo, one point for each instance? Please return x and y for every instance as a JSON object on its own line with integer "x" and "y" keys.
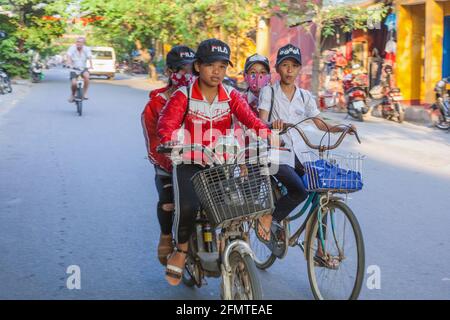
{"x": 332, "y": 172}
{"x": 234, "y": 191}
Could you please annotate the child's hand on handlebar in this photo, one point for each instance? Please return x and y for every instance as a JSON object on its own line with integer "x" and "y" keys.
{"x": 277, "y": 125}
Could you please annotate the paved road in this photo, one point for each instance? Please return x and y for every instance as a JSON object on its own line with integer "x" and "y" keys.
{"x": 79, "y": 191}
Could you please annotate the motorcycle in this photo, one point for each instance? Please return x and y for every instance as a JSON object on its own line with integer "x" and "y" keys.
{"x": 232, "y": 196}
{"x": 36, "y": 72}
{"x": 442, "y": 104}
{"x": 388, "y": 98}
{"x": 5, "y": 82}
{"x": 355, "y": 92}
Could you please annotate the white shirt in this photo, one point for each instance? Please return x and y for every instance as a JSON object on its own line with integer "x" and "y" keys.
{"x": 291, "y": 112}
{"x": 78, "y": 57}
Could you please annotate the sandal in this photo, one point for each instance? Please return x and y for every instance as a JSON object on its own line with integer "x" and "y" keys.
{"x": 165, "y": 247}
{"x": 327, "y": 261}
{"x": 175, "y": 272}
{"x": 265, "y": 237}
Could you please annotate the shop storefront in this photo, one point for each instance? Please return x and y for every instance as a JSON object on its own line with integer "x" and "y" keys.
{"x": 423, "y": 51}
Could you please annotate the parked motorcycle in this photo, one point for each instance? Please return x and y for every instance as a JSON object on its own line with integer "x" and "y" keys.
{"x": 355, "y": 85}
{"x": 388, "y": 97}
{"x": 5, "y": 82}
{"x": 36, "y": 72}
{"x": 442, "y": 104}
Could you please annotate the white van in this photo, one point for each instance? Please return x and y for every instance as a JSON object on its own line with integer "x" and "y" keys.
{"x": 103, "y": 62}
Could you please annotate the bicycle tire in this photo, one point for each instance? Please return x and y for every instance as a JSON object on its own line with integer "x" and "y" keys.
{"x": 264, "y": 263}
{"x": 79, "y": 102}
{"x": 188, "y": 279}
{"x": 310, "y": 255}
{"x": 236, "y": 260}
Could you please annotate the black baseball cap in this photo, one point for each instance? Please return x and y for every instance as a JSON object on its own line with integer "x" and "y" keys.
{"x": 289, "y": 51}
{"x": 213, "y": 50}
{"x": 179, "y": 56}
{"x": 256, "y": 58}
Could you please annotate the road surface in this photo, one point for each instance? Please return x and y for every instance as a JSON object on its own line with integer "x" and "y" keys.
{"x": 80, "y": 191}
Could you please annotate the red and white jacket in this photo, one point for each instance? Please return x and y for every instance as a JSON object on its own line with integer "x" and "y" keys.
{"x": 149, "y": 119}
{"x": 205, "y": 122}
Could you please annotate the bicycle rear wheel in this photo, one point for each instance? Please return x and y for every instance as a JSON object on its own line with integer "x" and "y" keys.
{"x": 335, "y": 254}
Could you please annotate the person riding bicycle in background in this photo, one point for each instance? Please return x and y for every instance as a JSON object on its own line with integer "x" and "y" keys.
{"x": 78, "y": 55}
{"x": 291, "y": 104}
{"x": 204, "y": 113}
{"x": 179, "y": 70}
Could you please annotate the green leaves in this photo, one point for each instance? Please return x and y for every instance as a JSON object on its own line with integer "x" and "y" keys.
{"x": 28, "y": 29}
{"x": 173, "y": 21}
{"x": 332, "y": 17}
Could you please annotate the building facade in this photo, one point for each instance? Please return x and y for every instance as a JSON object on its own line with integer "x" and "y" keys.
{"x": 423, "y": 49}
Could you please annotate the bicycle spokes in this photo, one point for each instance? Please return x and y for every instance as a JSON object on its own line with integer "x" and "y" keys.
{"x": 334, "y": 275}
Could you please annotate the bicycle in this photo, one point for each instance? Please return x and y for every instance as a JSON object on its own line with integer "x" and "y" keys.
{"x": 230, "y": 197}
{"x": 79, "y": 95}
{"x": 322, "y": 244}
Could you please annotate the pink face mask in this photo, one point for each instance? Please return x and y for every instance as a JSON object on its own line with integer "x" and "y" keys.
{"x": 181, "y": 80}
{"x": 257, "y": 81}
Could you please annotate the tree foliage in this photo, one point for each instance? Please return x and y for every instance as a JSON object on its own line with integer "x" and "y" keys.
{"x": 28, "y": 29}
{"x": 140, "y": 23}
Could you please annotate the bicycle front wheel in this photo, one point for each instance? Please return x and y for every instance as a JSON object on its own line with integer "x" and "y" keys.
{"x": 79, "y": 101}
{"x": 335, "y": 253}
{"x": 245, "y": 284}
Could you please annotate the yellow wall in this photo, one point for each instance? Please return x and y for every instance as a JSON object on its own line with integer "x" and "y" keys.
{"x": 419, "y": 51}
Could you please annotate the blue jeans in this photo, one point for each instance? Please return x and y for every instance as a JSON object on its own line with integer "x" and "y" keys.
{"x": 291, "y": 179}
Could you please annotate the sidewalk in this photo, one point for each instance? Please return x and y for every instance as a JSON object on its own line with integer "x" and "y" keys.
{"x": 417, "y": 115}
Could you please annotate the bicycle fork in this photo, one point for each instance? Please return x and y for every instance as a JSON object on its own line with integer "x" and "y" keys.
{"x": 244, "y": 249}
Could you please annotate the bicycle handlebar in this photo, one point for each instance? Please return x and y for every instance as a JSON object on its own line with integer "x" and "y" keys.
{"x": 212, "y": 154}
{"x": 320, "y": 147}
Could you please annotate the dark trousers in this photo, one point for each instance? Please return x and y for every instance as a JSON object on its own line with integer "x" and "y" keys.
{"x": 186, "y": 201}
{"x": 291, "y": 179}
{"x": 165, "y": 194}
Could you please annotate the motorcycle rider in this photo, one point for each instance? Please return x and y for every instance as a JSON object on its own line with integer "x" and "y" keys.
{"x": 204, "y": 113}
{"x": 179, "y": 69}
{"x": 78, "y": 55}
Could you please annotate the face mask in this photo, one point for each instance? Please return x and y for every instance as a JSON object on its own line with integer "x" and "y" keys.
{"x": 181, "y": 80}
{"x": 257, "y": 81}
